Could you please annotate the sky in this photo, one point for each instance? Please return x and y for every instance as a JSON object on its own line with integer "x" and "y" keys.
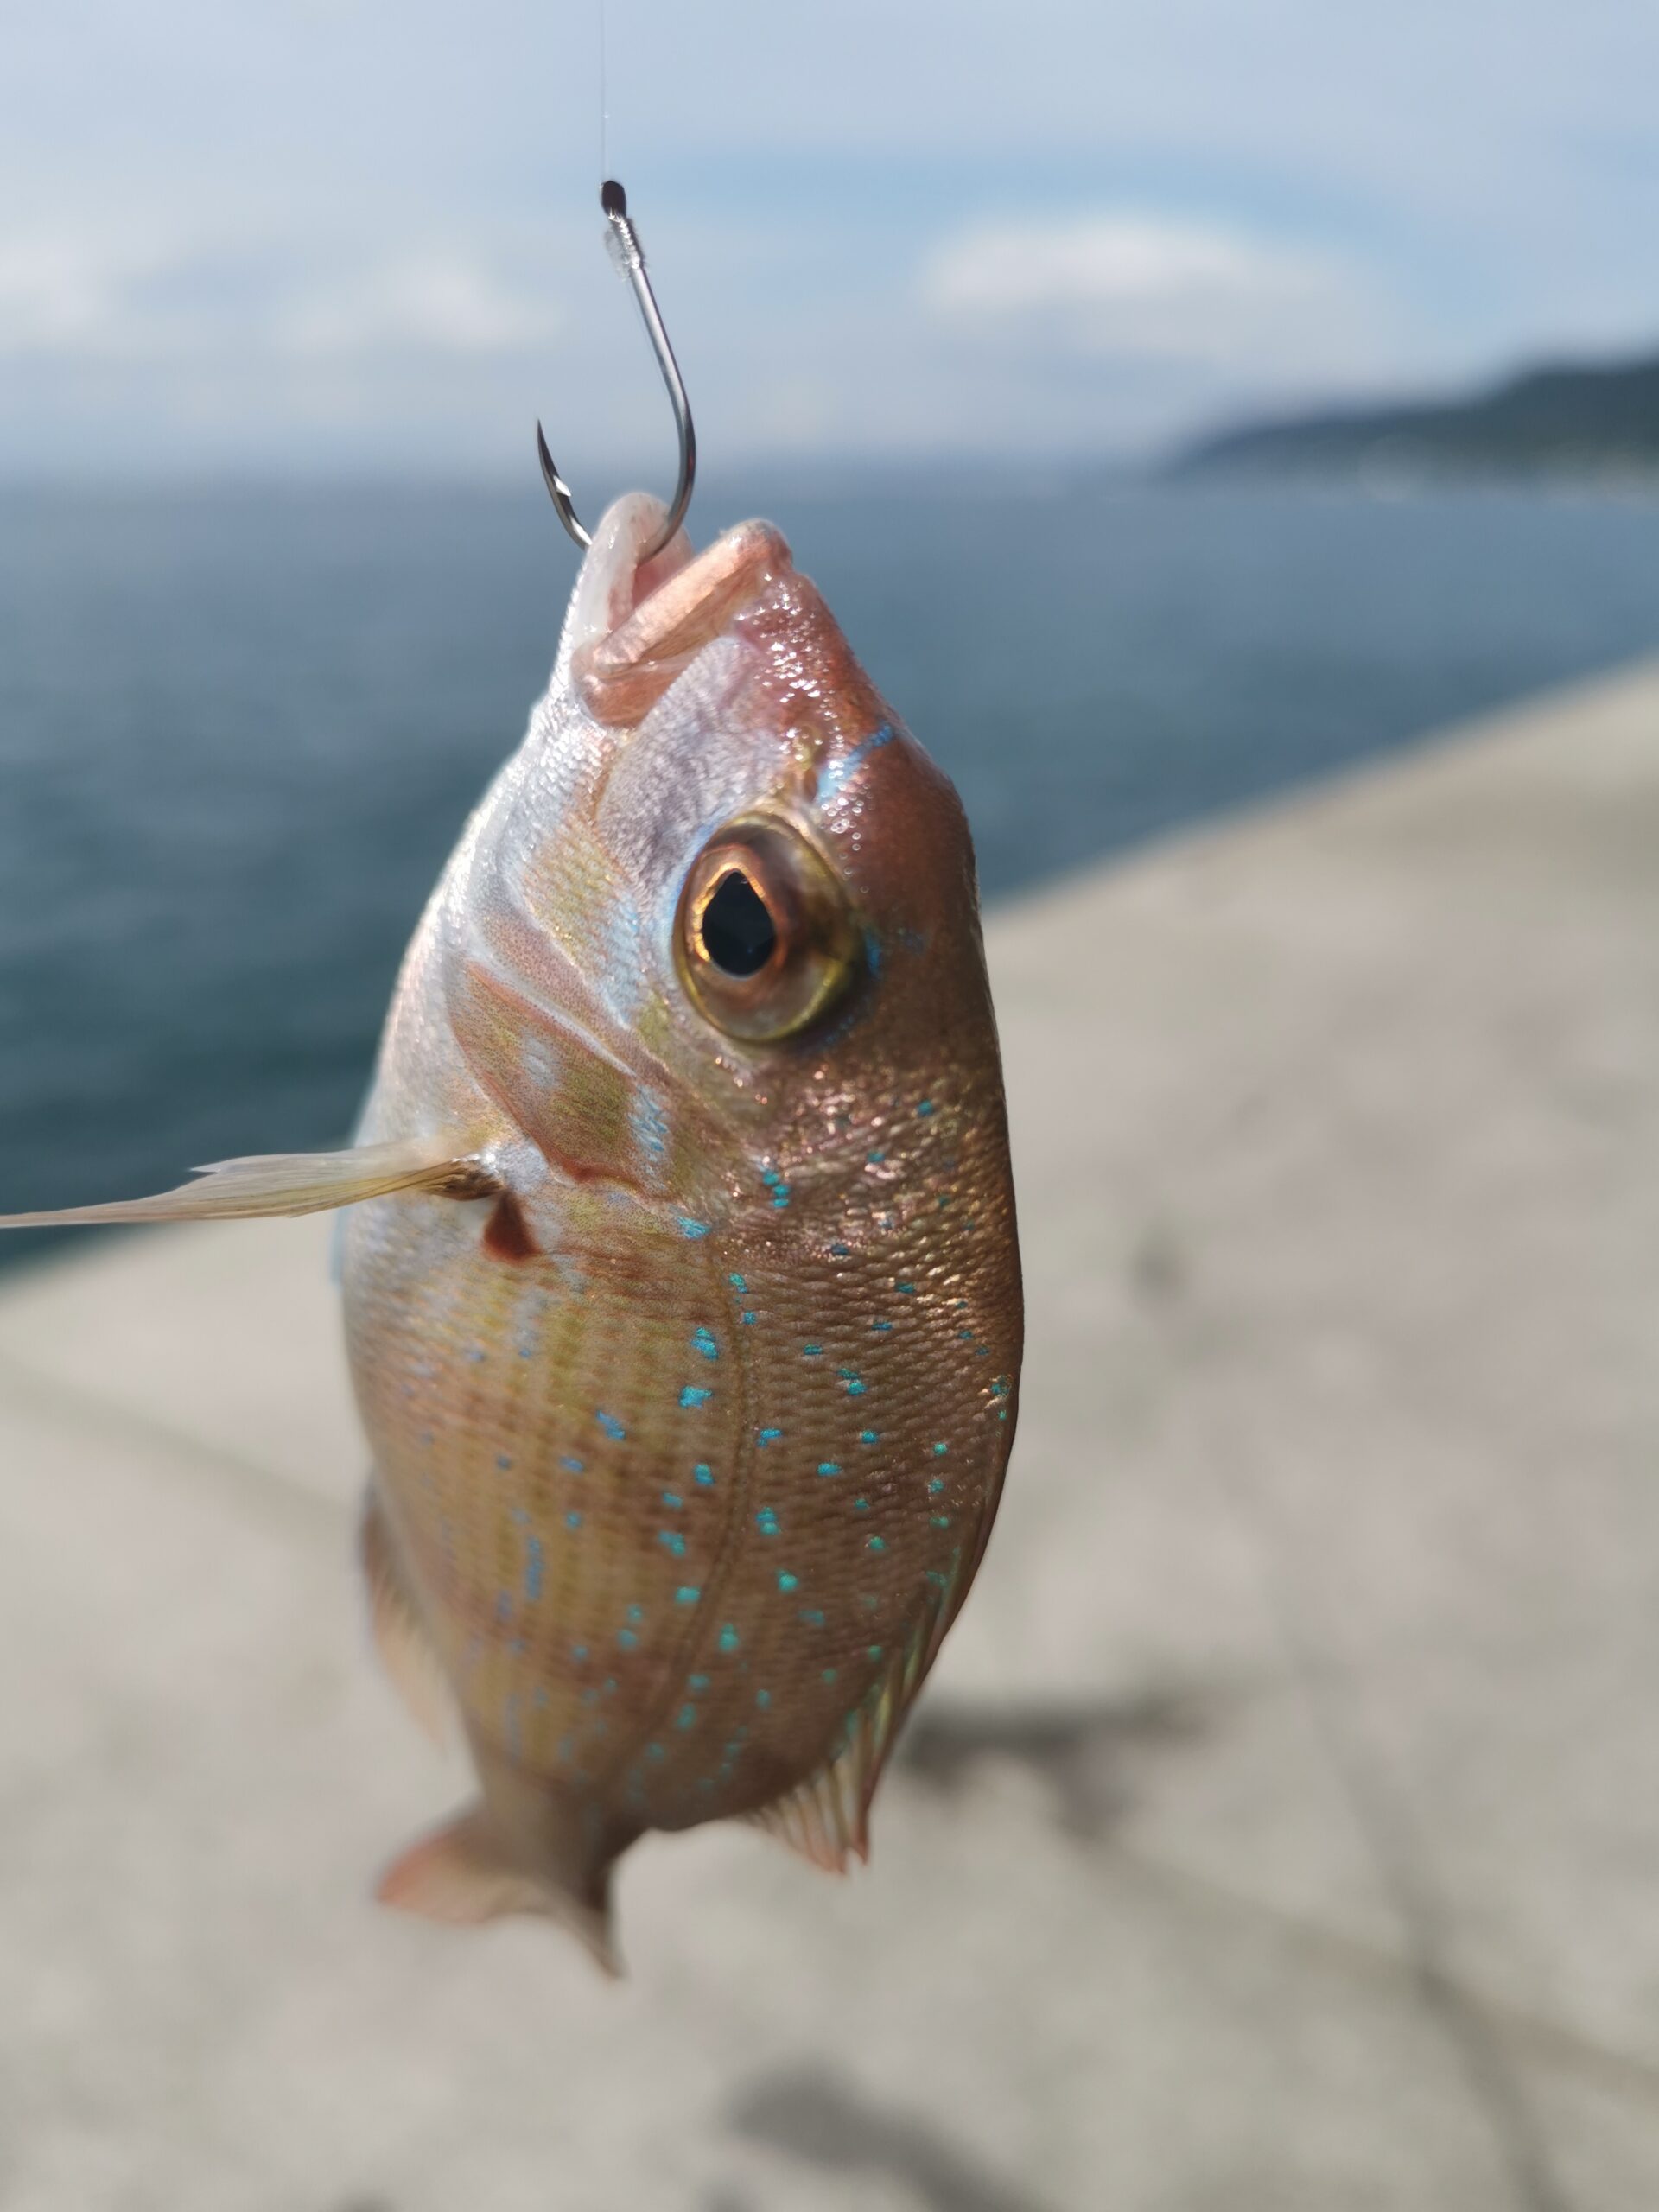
{"x": 362, "y": 236}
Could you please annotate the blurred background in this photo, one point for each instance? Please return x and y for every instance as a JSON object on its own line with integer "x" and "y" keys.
{"x": 1191, "y": 414}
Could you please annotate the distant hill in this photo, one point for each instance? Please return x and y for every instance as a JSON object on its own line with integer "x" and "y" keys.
{"x": 1581, "y": 422}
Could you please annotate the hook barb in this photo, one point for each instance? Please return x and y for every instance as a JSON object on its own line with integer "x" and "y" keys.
{"x": 623, "y": 242}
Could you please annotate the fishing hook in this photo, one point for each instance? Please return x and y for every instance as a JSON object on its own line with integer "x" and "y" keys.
{"x": 622, "y": 242}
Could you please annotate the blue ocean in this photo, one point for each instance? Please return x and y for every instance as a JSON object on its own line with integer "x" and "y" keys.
{"x": 239, "y": 727}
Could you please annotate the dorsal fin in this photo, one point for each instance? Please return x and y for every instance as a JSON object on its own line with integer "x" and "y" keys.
{"x": 401, "y": 1637}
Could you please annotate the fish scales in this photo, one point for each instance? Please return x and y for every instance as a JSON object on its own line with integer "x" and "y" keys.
{"x": 680, "y": 1273}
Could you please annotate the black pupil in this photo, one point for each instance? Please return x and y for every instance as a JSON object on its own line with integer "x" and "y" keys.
{"x": 737, "y": 931}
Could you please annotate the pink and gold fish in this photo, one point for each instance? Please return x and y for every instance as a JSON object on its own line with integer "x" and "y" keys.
{"x": 680, "y": 1274}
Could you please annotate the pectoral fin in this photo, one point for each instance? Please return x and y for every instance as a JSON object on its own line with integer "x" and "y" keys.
{"x": 290, "y": 1183}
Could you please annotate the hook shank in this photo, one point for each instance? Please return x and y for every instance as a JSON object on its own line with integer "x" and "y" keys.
{"x": 622, "y": 240}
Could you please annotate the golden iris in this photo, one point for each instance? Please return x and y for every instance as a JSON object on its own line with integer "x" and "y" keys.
{"x": 764, "y": 939}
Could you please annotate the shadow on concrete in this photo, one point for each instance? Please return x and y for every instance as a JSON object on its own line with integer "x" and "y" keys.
{"x": 826, "y": 2123}
{"x": 1083, "y": 1752}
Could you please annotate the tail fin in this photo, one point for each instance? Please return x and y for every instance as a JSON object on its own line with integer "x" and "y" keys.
{"x": 467, "y": 1872}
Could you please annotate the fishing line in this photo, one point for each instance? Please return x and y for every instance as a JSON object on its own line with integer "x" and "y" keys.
{"x": 604, "y": 111}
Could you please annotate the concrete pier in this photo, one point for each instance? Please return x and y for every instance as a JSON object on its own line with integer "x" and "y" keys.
{"x": 1280, "y": 1833}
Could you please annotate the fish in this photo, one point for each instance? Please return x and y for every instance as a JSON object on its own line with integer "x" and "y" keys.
{"x": 678, "y": 1257}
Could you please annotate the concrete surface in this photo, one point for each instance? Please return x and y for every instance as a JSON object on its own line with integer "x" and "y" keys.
{"x": 1282, "y": 1830}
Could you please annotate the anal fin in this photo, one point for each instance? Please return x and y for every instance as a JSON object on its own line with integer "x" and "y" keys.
{"x": 826, "y": 1818}
{"x": 271, "y": 1184}
{"x": 400, "y": 1634}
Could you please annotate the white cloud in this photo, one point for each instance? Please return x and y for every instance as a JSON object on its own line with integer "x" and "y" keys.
{"x": 1151, "y": 287}
{"x": 56, "y": 296}
{"x": 86, "y": 298}
{"x": 439, "y": 303}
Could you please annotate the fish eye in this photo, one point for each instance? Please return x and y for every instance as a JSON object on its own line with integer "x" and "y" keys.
{"x": 765, "y": 940}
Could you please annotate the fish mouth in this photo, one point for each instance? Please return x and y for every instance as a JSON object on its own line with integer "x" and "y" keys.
{"x": 635, "y": 623}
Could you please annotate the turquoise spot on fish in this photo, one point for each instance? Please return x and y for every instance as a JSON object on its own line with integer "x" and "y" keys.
{"x": 636, "y": 1613}
{"x": 686, "y": 1594}
{"x": 534, "y": 1564}
{"x": 788, "y": 1581}
{"x": 654, "y": 1751}
{"x": 828, "y": 1675}
{"x": 869, "y": 1436}
{"x": 730, "y": 1639}
{"x": 573, "y": 1519}
{"x": 747, "y": 1320}
{"x": 935, "y": 1485}
{"x": 828, "y": 1467}
{"x": 578, "y": 1652}
{"x": 626, "y": 1639}
{"x": 939, "y": 1451}
{"x": 765, "y": 1436}
{"x": 811, "y": 1352}
{"x": 686, "y": 1716}
{"x": 703, "y": 1340}
{"x": 703, "y": 1474}
{"x": 872, "y": 1651}
{"x": 765, "y": 1521}
{"x": 841, "y": 771}
{"x": 672, "y": 1541}
{"x": 841, "y": 1251}
{"x": 861, "y": 1505}
{"x": 737, "y": 1282}
{"x": 763, "y": 1698}
{"x": 674, "y": 1503}
{"x": 923, "y": 1108}
{"x": 690, "y": 1396}
{"x": 698, "y": 1681}
{"x": 854, "y": 1381}
{"x": 574, "y": 1464}
{"x": 878, "y": 1543}
{"x": 504, "y": 1460}
{"x": 905, "y": 1289}
{"x": 941, "y": 1520}
{"x": 693, "y": 1229}
{"x": 999, "y": 1386}
{"x": 876, "y": 1159}
{"x": 812, "y": 1617}
{"x": 612, "y": 1427}
{"x": 650, "y": 1123}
